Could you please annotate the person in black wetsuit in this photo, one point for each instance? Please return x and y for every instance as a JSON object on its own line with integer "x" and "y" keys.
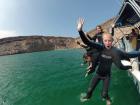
{"x": 108, "y": 55}
{"x": 89, "y": 51}
{"x": 98, "y": 36}
{"x": 90, "y": 58}
{"x": 92, "y": 51}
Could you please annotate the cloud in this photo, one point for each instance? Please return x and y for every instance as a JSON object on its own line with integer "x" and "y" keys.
{"x": 8, "y": 33}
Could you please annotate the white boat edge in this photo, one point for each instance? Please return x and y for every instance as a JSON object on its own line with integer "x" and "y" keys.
{"x": 134, "y": 72}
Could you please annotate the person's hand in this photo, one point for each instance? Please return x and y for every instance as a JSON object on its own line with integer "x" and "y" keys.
{"x": 77, "y": 42}
{"x": 80, "y": 24}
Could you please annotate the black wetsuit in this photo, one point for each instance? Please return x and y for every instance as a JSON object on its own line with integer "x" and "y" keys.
{"x": 91, "y": 51}
{"x": 106, "y": 58}
{"x": 121, "y": 55}
{"x": 94, "y": 51}
{"x": 97, "y": 36}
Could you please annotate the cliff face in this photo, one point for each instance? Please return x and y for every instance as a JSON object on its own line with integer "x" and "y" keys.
{"x": 26, "y": 44}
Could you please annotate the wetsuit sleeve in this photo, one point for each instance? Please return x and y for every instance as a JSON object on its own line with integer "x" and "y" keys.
{"x": 89, "y": 37}
{"x": 126, "y": 55}
{"x": 89, "y": 42}
{"x": 112, "y": 31}
{"x": 132, "y": 54}
{"x": 94, "y": 37}
{"x": 118, "y": 63}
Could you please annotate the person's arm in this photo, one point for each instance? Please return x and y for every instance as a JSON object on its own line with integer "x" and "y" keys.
{"x": 132, "y": 54}
{"x": 92, "y": 38}
{"x": 126, "y": 55}
{"x": 89, "y": 37}
{"x": 121, "y": 66}
{"x": 82, "y": 45}
{"x": 90, "y": 43}
{"x": 84, "y": 38}
{"x": 112, "y": 29}
{"x": 118, "y": 63}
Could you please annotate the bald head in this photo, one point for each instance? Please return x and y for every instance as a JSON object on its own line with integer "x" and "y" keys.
{"x": 108, "y": 36}
{"x": 107, "y": 40}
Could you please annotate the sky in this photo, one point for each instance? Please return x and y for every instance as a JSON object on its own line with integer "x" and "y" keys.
{"x": 53, "y": 17}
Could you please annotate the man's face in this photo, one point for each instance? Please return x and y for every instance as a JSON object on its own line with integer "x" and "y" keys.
{"x": 98, "y": 30}
{"x": 88, "y": 58}
{"x": 107, "y": 40}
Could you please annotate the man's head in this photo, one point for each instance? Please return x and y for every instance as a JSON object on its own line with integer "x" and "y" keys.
{"x": 98, "y": 29}
{"x": 87, "y": 57}
{"x": 107, "y": 40}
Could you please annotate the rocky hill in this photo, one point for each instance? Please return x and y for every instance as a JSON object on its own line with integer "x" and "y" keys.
{"x": 26, "y": 44}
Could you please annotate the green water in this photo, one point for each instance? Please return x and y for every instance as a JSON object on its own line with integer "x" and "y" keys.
{"x": 56, "y": 78}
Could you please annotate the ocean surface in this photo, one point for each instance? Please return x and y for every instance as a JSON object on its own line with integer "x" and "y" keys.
{"x": 57, "y": 78}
